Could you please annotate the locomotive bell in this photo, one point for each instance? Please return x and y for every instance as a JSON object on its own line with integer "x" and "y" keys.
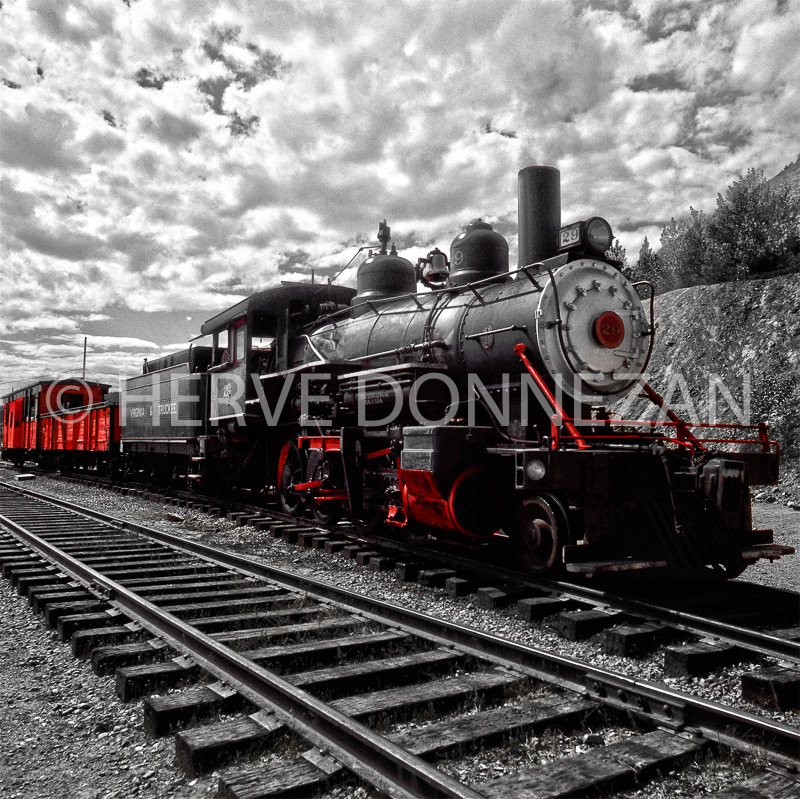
{"x": 381, "y": 275}
{"x": 477, "y": 253}
{"x": 434, "y": 268}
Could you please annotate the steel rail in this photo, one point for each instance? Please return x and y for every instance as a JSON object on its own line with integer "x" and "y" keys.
{"x": 646, "y": 700}
{"x": 762, "y": 643}
{"x": 376, "y": 760}
{"x": 759, "y": 642}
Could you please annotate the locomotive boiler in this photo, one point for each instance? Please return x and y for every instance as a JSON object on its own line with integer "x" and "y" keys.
{"x": 580, "y": 320}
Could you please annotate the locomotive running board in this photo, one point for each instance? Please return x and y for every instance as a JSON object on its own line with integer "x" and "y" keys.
{"x": 751, "y": 554}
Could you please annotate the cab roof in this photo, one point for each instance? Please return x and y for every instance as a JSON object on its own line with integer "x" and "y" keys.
{"x": 277, "y": 299}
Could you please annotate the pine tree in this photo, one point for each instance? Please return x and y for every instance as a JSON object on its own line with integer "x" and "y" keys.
{"x": 757, "y": 227}
{"x": 670, "y": 256}
{"x": 648, "y": 266}
{"x": 754, "y": 230}
{"x": 616, "y": 252}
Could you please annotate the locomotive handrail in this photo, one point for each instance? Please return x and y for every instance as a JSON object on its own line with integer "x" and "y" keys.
{"x": 425, "y": 345}
{"x": 769, "y": 446}
{"x": 651, "y": 324}
{"x": 510, "y": 328}
{"x": 314, "y": 349}
{"x": 684, "y": 437}
{"x": 652, "y": 300}
{"x": 520, "y": 349}
{"x": 655, "y": 423}
{"x": 474, "y": 290}
{"x": 657, "y": 399}
{"x": 416, "y": 297}
{"x": 524, "y": 270}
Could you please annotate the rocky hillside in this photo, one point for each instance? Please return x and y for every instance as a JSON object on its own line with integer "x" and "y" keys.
{"x": 789, "y": 174}
{"x": 726, "y": 335}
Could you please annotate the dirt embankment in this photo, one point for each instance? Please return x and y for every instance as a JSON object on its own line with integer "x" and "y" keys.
{"x": 731, "y": 352}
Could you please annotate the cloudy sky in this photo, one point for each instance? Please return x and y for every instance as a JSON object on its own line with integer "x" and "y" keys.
{"x": 162, "y": 159}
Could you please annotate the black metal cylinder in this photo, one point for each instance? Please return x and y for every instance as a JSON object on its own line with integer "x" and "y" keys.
{"x": 539, "y": 213}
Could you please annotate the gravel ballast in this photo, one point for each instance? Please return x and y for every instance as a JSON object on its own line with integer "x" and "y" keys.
{"x": 64, "y": 733}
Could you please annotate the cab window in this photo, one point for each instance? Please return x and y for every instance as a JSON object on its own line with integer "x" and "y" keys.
{"x": 239, "y": 352}
{"x": 262, "y": 344}
{"x": 221, "y": 352}
{"x": 239, "y": 338}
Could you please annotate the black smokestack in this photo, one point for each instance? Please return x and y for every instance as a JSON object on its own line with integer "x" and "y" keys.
{"x": 539, "y": 213}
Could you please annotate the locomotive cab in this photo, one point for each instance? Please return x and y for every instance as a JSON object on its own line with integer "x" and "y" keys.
{"x": 255, "y": 344}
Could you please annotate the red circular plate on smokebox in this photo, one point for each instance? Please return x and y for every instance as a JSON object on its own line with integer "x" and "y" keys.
{"x": 609, "y": 329}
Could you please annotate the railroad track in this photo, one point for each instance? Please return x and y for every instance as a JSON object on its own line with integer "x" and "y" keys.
{"x": 704, "y": 624}
{"x": 344, "y": 673}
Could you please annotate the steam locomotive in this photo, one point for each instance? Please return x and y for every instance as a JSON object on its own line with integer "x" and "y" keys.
{"x": 477, "y": 408}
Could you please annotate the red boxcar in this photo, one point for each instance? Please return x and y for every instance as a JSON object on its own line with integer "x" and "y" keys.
{"x": 66, "y": 423}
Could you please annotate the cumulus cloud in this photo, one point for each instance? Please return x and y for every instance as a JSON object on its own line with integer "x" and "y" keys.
{"x": 40, "y": 141}
{"x": 170, "y": 129}
{"x": 174, "y": 157}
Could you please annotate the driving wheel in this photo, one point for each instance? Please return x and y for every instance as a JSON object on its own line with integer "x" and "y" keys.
{"x": 291, "y": 472}
{"x": 540, "y": 531}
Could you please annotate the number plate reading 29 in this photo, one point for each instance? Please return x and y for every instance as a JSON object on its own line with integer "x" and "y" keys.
{"x": 609, "y": 329}
{"x": 569, "y": 236}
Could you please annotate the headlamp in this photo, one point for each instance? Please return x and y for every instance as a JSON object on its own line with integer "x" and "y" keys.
{"x": 593, "y": 237}
{"x": 535, "y": 470}
{"x": 598, "y": 235}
